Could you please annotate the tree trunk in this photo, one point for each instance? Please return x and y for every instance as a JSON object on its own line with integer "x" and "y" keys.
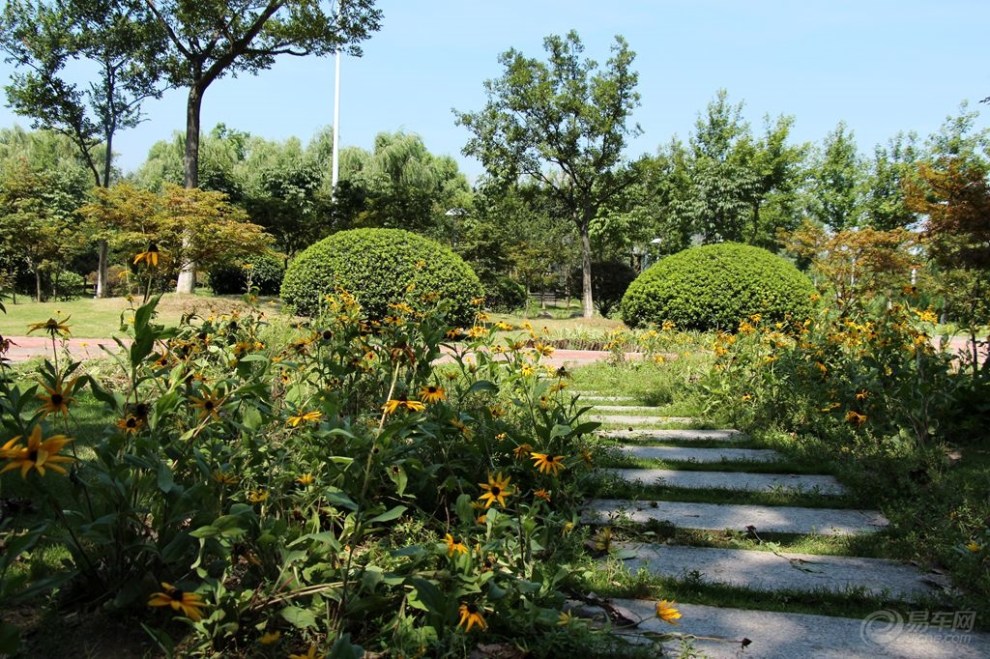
{"x": 102, "y": 270}
{"x": 586, "y": 298}
{"x": 187, "y": 276}
{"x": 37, "y": 284}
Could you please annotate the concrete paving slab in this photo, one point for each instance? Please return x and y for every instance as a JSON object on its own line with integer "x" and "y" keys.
{"x": 676, "y": 434}
{"x": 587, "y": 396}
{"x": 730, "y": 480}
{"x": 629, "y": 420}
{"x": 706, "y": 455}
{"x": 769, "y": 571}
{"x": 721, "y": 516}
{"x": 625, "y": 408}
{"x": 718, "y": 633}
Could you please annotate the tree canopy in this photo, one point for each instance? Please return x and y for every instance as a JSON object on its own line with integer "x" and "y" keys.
{"x": 563, "y": 122}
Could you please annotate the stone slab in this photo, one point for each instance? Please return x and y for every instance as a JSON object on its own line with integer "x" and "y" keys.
{"x": 718, "y": 633}
{"x": 721, "y": 516}
{"x": 676, "y": 434}
{"x": 730, "y": 480}
{"x": 769, "y": 571}
{"x": 707, "y": 455}
{"x": 629, "y": 420}
{"x": 589, "y": 396}
{"x": 625, "y": 408}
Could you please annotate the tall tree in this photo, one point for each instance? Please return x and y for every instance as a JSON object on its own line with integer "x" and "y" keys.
{"x": 885, "y": 205}
{"x": 837, "y": 175}
{"x": 211, "y": 38}
{"x": 118, "y": 39}
{"x": 563, "y": 122}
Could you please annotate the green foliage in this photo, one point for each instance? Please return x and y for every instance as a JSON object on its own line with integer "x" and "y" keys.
{"x": 717, "y": 286}
{"x": 609, "y": 282}
{"x": 505, "y": 295}
{"x": 320, "y": 492}
{"x": 262, "y": 273}
{"x": 379, "y": 266}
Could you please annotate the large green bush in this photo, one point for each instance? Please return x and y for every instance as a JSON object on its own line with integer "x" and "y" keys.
{"x": 715, "y": 287}
{"x": 377, "y": 266}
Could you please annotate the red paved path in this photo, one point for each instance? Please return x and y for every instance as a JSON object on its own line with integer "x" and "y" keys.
{"x": 25, "y": 347}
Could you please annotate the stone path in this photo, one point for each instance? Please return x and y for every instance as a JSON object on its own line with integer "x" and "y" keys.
{"x": 891, "y": 631}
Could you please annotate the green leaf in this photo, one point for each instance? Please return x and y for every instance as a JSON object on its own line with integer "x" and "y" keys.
{"x": 165, "y": 481}
{"x": 298, "y": 617}
{"x": 341, "y": 500}
{"x": 482, "y": 386}
{"x": 398, "y": 476}
{"x": 389, "y": 515}
{"x": 343, "y": 649}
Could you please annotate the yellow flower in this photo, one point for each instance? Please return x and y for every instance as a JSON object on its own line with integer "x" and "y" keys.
{"x": 543, "y": 349}
{"x": 310, "y": 654}
{"x": 547, "y": 464}
{"x": 504, "y": 326}
{"x": 527, "y": 370}
{"x": 522, "y": 451}
{"x": 467, "y": 432}
{"x": 131, "y": 424}
{"x": 52, "y": 326}
{"x": 855, "y": 417}
{"x": 150, "y": 256}
{"x": 542, "y": 494}
{"x": 225, "y": 478}
{"x": 567, "y": 528}
{"x": 208, "y": 404}
{"x": 257, "y": 496}
{"x": 927, "y": 316}
{"x": 471, "y": 616}
{"x": 565, "y": 619}
{"x": 270, "y": 638}
{"x": 57, "y": 399}
{"x": 454, "y": 547}
{"x": 38, "y": 454}
{"x": 667, "y": 612}
{"x": 313, "y": 415}
{"x": 432, "y": 393}
{"x": 496, "y": 490}
{"x": 188, "y": 604}
{"x": 306, "y": 479}
{"x": 973, "y": 546}
{"x": 477, "y": 332}
{"x": 394, "y": 404}
{"x": 862, "y": 395}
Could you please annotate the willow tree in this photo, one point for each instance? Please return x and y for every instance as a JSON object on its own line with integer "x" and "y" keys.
{"x": 562, "y": 122}
{"x": 210, "y": 39}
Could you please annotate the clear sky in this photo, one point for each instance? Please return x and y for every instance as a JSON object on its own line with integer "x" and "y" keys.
{"x": 879, "y": 65}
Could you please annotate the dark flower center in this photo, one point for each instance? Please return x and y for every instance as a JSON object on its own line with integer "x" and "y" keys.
{"x": 131, "y": 422}
{"x": 496, "y": 490}
{"x": 32, "y": 455}
{"x": 57, "y": 399}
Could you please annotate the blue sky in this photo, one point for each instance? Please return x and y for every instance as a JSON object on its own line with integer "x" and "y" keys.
{"x": 879, "y": 65}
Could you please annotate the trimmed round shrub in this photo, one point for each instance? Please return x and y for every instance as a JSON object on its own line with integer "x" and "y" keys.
{"x": 609, "y": 282}
{"x": 504, "y": 295}
{"x": 264, "y": 270}
{"x": 717, "y": 286}
{"x": 377, "y": 266}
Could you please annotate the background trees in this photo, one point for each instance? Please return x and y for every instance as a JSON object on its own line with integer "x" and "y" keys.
{"x": 562, "y": 122}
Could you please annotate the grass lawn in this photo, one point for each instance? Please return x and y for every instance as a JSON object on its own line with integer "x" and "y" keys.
{"x": 94, "y": 319}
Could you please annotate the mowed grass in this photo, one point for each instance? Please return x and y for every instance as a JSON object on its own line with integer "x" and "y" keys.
{"x": 93, "y": 319}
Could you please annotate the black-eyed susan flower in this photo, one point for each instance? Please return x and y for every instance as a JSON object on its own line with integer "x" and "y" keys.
{"x": 52, "y": 326}
{"x": 305, "y": 417}
{"x": 188, "y": 604}
{"x": 471, "y": 616}
{"x": 522, "y": 451}
{"x": 257, "y": 496}
{"x": 310, "y": 654}
{"x": 495, "y": 490}
{"x": 667, "y": 611}
{"x": 148, "y": 257}
{"x": 542, "y": 494}
{"x": 547, "y": 464}
{"x": 38, "y": 453}
{"x": 855, "y": 417}
{"x": 403, "y": 403}
{"x": 306, "y": 479}
{"x": 56, "y": 399}
{"x": 131, "y": 424}
{"x": 432, "y": 393}
{"x": 454, "y": 547}
{"x": 225, "y": 477}
{"x": 208, "y": 404}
